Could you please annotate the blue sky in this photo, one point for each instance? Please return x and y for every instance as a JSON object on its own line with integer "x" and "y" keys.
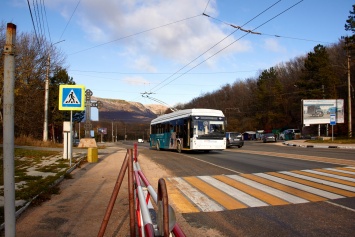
{"x": 121, "y": 49}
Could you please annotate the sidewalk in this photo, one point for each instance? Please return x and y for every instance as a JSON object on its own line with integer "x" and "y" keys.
{"x": 304, "y": 143}
{"x": 80, "y": 207}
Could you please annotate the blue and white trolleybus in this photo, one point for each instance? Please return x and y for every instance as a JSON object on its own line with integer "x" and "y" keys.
{"x": 189, "y": 129}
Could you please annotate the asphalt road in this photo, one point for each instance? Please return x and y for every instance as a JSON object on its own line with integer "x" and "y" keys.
{"x": 263, "y": 189}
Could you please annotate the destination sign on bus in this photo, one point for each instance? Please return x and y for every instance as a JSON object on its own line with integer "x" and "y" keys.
{"x": 208, "y": 118}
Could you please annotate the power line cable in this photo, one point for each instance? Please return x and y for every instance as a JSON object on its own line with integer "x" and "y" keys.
{"x": 33, "y": 24}
{"x": 249, "y": 32}
{"x": 128, "y": 36}
{"x": 216, "y": 43}
{"x": 45, "y": 14}
{"x": 208, "y": 3}
{"x": 69, "y": 20}
{"x": 38, "y": 20}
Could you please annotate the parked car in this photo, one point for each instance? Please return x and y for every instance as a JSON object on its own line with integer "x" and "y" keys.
{"x": 269, "y": 137}
{"x": 234, "y": 139}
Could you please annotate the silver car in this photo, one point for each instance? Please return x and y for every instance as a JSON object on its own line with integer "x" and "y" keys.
{"x": 269, "y": 137}
{"x": 234, "y": 139}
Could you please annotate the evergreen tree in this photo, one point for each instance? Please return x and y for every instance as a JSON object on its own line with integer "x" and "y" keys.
{"x": 269, "y": 102}
{"x": 318, "y": 80}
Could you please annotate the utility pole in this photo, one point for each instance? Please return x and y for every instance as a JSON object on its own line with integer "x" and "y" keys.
{"x": 9, "y": 131}
{"x": 113, "y": 139}
{"x": 350, "y": 132}
{"x": 46, "y": 93}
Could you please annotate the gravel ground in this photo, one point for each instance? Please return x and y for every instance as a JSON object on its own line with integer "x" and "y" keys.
{"x": 80, "y": 207}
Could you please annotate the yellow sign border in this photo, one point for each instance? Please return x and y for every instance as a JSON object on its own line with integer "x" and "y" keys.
{"x": 80, "y": 106}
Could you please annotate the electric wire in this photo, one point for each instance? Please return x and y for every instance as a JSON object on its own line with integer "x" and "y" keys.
{"x": 33, "y": 24}
{"x": 229, "y": 45}
{"x": 69, "y": 19}
{"x": 45, "y": 14}
{"x": 208, "y": 3}
{"x": 38, "y": 18}
{"x": 214, "y": 44}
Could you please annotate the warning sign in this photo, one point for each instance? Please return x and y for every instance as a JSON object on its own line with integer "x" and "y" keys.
{"x": 71, "y": 97}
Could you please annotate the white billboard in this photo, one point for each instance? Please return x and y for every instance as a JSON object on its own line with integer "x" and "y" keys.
{"x": 320, "y": 111}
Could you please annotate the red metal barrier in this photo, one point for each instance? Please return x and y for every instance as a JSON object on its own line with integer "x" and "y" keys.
{"x": 138, "y": 202}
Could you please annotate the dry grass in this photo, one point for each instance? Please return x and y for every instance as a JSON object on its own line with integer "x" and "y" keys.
{"x": 30, "y": 141}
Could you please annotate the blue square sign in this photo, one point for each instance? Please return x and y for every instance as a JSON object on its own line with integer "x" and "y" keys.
{"x": 71, "y": 97}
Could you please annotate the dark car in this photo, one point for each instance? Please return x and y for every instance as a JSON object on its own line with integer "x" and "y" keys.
{"x": 269, "y": 137}
{"x": 234, "y": 139}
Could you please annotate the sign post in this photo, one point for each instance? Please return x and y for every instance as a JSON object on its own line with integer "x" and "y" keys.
{"x": 333, "y": 122}
{"x": 71, "y": 97}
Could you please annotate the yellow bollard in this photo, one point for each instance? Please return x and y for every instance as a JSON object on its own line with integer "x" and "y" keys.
{"x": 92, "y": 154}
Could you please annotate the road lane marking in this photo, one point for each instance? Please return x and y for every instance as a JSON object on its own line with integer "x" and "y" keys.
{"x": 276, "y": 177}
{"x": 337, "y": 188}
{"x": 334, "y": 175}
{"x": 340, "y": 172}
{"x": 301, "y": 157}
{"x": 199, "y": 199}
{"x": 328, "y": 177}
{"x": 281, "y": 185}
{"x": 263, "y": 196}
{"x": 182, "y": 203}
{"x": 255, "y": 182}
{"x": 234, "y": 171}
{"x": 235, "y": 193}
{"x": 217, "y": 195}
{"x": 228, "y": 192}
{"x": 338, "y": 205}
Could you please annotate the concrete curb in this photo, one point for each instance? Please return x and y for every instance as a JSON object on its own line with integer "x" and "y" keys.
{"x": 319, "y": 146}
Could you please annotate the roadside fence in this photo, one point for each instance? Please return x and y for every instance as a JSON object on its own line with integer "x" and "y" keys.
{"x": 149, "y": 222}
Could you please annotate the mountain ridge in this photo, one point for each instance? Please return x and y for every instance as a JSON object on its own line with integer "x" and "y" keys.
{"x": 128, "y": 111}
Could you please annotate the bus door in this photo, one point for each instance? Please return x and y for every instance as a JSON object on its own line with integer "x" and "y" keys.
{"x": 186, "y": 133}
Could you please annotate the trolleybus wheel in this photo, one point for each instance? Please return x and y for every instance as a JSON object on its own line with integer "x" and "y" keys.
{"x": 157, "y": 146}
{"x": 178, "y": 147}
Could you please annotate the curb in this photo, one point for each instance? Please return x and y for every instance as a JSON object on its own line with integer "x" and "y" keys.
{"x": 319, "y": 146}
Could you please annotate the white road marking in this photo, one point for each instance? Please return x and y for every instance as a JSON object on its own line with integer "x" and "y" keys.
{"x": 316, "y": 191}
{"x": 273, "y": 191}
{"x": 235, "y": 193}
{"x": 201, "y": 200}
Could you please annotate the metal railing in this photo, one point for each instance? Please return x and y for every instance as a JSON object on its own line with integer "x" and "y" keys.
{"x": 140, "y": 192}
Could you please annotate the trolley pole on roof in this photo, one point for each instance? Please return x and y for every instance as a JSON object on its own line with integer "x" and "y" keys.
{"x": 8, "y": 131}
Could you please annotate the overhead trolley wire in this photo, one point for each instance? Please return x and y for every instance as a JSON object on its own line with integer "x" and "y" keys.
{"x": 69, "y": 20}
{"x": 237, "y": 28}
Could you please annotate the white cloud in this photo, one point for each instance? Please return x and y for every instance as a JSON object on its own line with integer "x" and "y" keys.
{"x": 274, "y": 46}
{"x": 143, "y": 28}
{"x": 136, "y": 80}
{"x": 143, "y": 64}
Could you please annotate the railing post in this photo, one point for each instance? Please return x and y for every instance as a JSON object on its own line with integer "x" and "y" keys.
{"x": 131, "y": 194}
{"x": 113, "y": 196}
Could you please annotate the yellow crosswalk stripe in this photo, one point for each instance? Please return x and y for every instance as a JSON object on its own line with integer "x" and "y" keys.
{"x": 318, "y": 176}
{"x": 228, "y": 192}
{"x": 268, "y": 198}
{"x": 313, "y": 184}
{"x": 337, "y": 173}
{"x": 181, "y": 203}
{"x": 285, "y": 188}
{"x": 222, "y": 198}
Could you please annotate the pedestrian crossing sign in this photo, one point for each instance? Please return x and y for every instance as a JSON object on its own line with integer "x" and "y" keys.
{"x": 71, "y": 97}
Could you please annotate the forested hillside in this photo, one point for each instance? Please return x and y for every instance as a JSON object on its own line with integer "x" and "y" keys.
{"x": 273, "y": 100}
